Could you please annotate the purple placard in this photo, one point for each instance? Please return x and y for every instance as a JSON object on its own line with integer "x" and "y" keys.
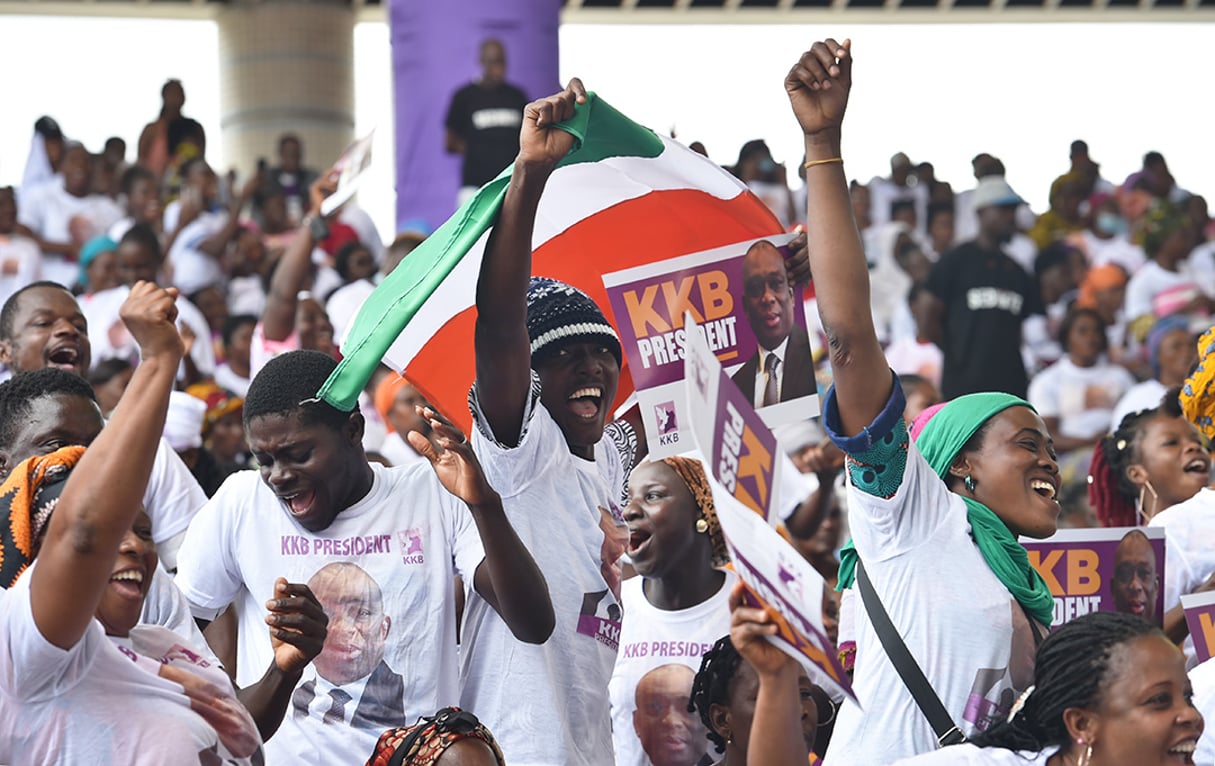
{"x": 1200, "y": 617}
{"x": 1102, "y": 570}
{"x": 743, "y": 449}
{"x": 649, "y": 314}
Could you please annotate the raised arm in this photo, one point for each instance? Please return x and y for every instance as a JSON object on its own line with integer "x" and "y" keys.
{"x": 818, "y": 87}
{"x": 776, "y": 737}
{"x": 502, "y": 349}
{"x": 105, "y": 491}
{"x": 278, "y": 319}
{"x": 508, "y": 579}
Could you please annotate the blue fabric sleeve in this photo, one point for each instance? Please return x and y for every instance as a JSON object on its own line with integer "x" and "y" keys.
{"x": 877, "y": 456}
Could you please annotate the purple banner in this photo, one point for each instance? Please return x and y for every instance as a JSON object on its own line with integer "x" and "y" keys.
{"x": 1120, "y": 569}
{"x": 435, "y": 47}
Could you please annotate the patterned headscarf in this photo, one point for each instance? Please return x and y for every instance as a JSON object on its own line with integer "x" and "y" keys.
{"x": 219, "y": 403}
{"x": 428, "y": 738}
{"x": 693, "y": 474}
{"x": 1198, "y": 393}
{"x": 27, "y": 497}
{"x": 1161, "y": 221}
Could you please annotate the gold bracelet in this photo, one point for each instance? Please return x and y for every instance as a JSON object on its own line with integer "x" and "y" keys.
{"x": 830, "y": 161}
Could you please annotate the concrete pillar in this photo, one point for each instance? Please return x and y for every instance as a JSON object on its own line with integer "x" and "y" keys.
{"x": 435, "y": 47}
{"x": 286, "y": 66}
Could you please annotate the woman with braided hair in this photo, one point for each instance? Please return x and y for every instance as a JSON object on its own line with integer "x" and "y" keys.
{"x": 1109, "y": 690}
{"x": 672, "y": 613}
{"x": 1152, "y": 471}
{"x": 744, "y": 680}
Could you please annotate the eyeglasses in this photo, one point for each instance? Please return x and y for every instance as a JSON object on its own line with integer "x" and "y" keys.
{"x": 1127, "y": 573}
{"x": 757, "y": 286}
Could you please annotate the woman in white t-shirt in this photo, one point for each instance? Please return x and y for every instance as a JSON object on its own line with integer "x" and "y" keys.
{"x": 1109, "y": 690}
{"x": 673, "y": 612}
{"x": 936, "y": 532}
{"x": 68, "y": 694}
{"x": 1076, "y": 395}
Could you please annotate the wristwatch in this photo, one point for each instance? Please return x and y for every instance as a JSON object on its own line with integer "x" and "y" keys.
{"x": 318, "y": 227}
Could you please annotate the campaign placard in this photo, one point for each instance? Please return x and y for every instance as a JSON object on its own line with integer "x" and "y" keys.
{"x": 1118, "y": 569}
{"x": 1200, "y": 617}
{"x": 745, "y": 310}
{"x": 350, "y": 166}
{"x": 740, "y": 453}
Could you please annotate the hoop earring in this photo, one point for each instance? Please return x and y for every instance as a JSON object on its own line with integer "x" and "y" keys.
{"x": 969, "y": 481}
{"x": 1147, "y": 487}
{"x": 834, "y": 709}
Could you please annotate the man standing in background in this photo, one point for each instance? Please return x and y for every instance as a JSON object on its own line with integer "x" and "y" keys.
{"x": 483, "y": 122}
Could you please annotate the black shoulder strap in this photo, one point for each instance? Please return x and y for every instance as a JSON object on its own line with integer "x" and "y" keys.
{"x": 909, "y": 670}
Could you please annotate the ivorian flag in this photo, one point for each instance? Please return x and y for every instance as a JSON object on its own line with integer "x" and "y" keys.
{"x": 622, "y": 197}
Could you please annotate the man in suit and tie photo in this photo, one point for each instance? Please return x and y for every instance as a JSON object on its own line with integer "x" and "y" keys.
{"x": 351, "y": 664}
{"x": 782, "y": 368}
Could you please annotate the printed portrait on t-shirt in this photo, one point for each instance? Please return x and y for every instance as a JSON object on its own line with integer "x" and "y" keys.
{"x": 669, "y": 734}
{"x": 1135, "y": 584}
{"x": 353, "y": 654}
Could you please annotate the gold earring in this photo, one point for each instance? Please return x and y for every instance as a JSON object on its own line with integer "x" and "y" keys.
{"x": 1086, "y": 756}
{"x": 702, "y": 526}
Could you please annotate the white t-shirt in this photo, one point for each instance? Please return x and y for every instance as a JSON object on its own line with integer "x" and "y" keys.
{"x": 230, "y": 381}
{"x": 166, "y": 606}
{"x": 967, "y": 754}
{"x": 548, "y": 704}
{"x": 110, "y": 338}
{"x": 345, "y": 303}
{"x": 1140, "y": 396}
{"x": 651, "y": 638}
{"x": 398, "y": 452}
{"x": 192, "y": 268}
{"x": 1083, "y": 398}
{"x": 1148, "y": 282}
{"x": 53, "y": 214}
{"x": 20, "y": 264}
{"x": 911, "y": 357}
{"x": 172, "y": 497}
{"x": 1203, "y": 680}
{"x": 976, "y": 647}
{"x": 95, "y": 703}
{"x": 1117, "y": 250}
{"x": 408, "y": 535}
{"x": 1189, "y": 551}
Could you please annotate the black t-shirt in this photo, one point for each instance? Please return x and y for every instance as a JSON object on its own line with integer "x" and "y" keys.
{"x": 987, "y": 296}
{"x": 488, "y": 120}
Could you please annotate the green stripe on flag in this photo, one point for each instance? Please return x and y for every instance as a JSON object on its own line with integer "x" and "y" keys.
{"x": 600, "y": 132}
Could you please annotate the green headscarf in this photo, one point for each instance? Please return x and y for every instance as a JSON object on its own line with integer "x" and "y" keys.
{"x": 940, "y": 442}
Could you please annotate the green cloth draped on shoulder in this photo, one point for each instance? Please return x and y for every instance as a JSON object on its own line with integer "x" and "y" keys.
{"x": 940, "y": 442}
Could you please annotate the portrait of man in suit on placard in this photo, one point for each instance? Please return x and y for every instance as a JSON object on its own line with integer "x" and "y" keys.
{"x": 782, "y": 368}
{"x": 351, "y": 665}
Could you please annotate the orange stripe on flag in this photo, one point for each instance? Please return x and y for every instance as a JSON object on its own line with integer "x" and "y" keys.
{"x": 654, "y": 227}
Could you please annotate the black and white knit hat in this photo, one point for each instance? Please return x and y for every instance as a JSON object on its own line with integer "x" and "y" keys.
{"x": 558, "y": 313}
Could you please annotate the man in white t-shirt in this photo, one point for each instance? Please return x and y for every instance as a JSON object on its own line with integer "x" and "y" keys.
{"x": 41, "y": 325}
{"x": 401, "y": 533}
{"x": 20, "y": 258}
{"x": 63, "y": 215}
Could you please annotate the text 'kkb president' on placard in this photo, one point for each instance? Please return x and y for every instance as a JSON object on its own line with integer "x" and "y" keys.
{"x": 747, "y": 311}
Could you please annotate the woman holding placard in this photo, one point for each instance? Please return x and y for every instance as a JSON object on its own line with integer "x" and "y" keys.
{"x": 936, "y": 532}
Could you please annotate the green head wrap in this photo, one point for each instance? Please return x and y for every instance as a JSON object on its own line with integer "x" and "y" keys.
{"x": 940, "y": 442}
